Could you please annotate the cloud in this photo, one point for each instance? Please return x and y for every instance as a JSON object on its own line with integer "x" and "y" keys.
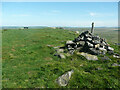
{"x": 92, "y": 14}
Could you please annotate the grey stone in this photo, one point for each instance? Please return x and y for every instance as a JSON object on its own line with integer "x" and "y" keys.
{"x": 88, "y": 56}
{"x": 94, "y": 51}
{"x": 105, "y": 58}
{"x": 110, "y": 52}
{"x": 60, "y": 50}
{"x": 90, "y": 45}
{"x": 81, "y": 43}
{"x": 103, "y": 50}
{"x": 95, "y": 41}
{"x": 115, "y": 64}
{"x": 95, "y": 38}
{"x": 97, "y": 45}
{"x": 62, "y": 56}
{"x": 69, "y": 42}
{"x": 89, "y": 39}
{"x": 77, "y": 32}
{"x": 110, "y": 49}
{"x": 116, "y": 55}
{"x": 64, "y": 79}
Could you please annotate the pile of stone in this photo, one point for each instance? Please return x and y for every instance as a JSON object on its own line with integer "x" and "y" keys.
{"x": 89, "y": 43}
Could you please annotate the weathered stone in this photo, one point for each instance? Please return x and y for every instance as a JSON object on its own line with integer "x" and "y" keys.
{"x": 115, "y": 64}
{"x": 116, "y": 55}
{"x": 94, "y": 51}
{"x": 110, "y": 49}
{"x": 89, "y": 39}
{"x": 95, "y": 38}
{"x": 56, "y": 47}
{"x": 77, "y": 32}
{"x": 103, "y": 51}
{"x": 97, "y": 45}
{"x": 90, "y": 45}
{"x": 64, "y": 79}
{"x": 81, "y": 43}
{"x": 62, "y": 56}
{"x": 88, "y": 56}
{"x": 110, "y": 52}
{"x": 60, "y": 50}
{"x": 105, "y": 58}
{"x": 69, "y": 42}
{"x": 95, "y": 41}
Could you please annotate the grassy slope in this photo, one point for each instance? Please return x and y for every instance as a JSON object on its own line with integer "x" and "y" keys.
{"x": 29, "y": 62}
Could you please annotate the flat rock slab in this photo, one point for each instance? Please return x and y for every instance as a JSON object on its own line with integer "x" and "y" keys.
{"x": 88, "y": 56}
{"x": 64, "y": 79}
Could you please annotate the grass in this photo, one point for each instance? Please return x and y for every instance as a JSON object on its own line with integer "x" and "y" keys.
{"x": 28, "y": 62}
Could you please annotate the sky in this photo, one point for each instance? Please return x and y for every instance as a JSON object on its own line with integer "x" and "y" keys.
{"x": 76, "y": 14}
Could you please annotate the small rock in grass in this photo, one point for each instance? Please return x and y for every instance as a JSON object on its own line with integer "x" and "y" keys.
{"x": 77, "y": 32}
{"x": 105, "y": 58}
{"x": 64, "y": 79}
{"x": 62, "y": 56}
{"x": 60, "y": 50}
{"x": 115, "y": 64}
{"x": 116, "y": 55}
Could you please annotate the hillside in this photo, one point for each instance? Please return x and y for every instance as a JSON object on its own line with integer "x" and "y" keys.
{"x": 28, "y": 60}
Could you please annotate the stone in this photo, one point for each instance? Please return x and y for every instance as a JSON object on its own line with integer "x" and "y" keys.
{"x": 105, "y": 58}
{"x": 60, "y": 50}
{"x": 117, "y": 44}
{"x": 69, "y": 42}
{"x": 95, "y": 38}
{"x": 97, "y": 45}
{"x": 94, "y": 51}
{"x": 116, "y": 55}
{"x": 81, "y": 43}
{"x": 88, "y": 56}
{"x": 77, "y": 32}
{"x": 89, "y": 39}
{"x": 110, "y": 52}
{"x": 56, "y": 47}
{"x": 103, "y": 50}
{"x": 115, "y": 64}
{"x": 64, "y": 79}
{"x": 90, "y": 45}
{"x": 62, "y": 56}
{"x": 95, "y": 41}
{"x": 110, "y": 49}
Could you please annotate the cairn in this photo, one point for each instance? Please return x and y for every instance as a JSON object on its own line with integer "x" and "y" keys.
{"x": 89, "y": 43}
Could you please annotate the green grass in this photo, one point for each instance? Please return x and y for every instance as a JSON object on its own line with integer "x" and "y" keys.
{"x": 28, "y": 62}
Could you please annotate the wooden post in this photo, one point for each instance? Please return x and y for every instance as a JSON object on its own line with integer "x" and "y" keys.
{"x": 92, "y": 29}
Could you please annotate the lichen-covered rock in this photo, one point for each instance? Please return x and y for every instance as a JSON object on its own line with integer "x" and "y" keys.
{"x": 88, "y": 56}
{"x": 62, "y": 56}
{"x": 60, "y": 50}
{"x": 64, "y": 79}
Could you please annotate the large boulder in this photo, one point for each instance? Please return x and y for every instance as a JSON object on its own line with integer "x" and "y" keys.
{"x": 64, "y": 79}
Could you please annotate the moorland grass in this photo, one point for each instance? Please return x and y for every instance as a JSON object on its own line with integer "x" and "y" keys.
{"x": 28, "y": 62}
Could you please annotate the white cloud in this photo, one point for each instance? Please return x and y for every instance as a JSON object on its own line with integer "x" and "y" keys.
{"x": 92, "y": 14}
